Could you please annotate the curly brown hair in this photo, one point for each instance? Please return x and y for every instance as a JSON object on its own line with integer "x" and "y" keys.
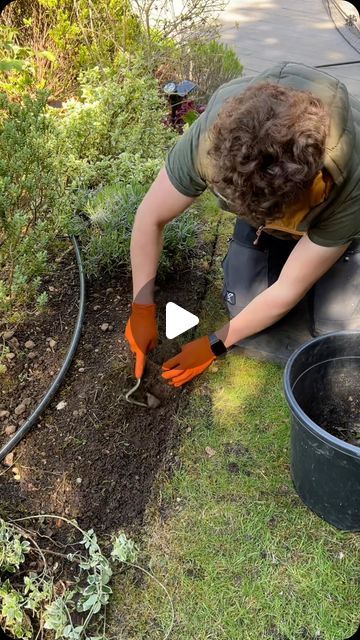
{"x": 267, "y": 145}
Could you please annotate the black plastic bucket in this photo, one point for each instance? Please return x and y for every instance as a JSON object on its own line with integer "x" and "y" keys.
{"x": 318, "y": 378}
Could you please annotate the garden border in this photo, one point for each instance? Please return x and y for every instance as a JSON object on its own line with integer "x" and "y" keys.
{"x": 25, "y": 428}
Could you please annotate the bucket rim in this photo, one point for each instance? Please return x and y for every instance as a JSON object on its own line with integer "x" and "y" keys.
{"x": 298, "y": 412}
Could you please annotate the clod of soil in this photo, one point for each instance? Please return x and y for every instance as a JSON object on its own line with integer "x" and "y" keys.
{"x": 152, "y": 401}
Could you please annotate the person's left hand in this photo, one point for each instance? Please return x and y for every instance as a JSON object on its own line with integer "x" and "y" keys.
{"x": 194, "y": 358}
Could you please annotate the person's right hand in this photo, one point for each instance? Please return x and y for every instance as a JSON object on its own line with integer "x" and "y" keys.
{"x": 142, "y": 333}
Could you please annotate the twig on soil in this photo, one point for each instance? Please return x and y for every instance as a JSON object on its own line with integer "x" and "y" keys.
{"x": 7, "y": 469}
{"x": 42, "y": 471}
{"x": 59, "y": 495}
{"x": 26, "y": 534}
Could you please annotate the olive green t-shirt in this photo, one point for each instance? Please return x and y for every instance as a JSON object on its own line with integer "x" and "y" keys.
{"x": 334, "y": 222}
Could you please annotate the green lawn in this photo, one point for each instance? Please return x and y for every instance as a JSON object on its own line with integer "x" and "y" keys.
{"x": 238, "y": 552}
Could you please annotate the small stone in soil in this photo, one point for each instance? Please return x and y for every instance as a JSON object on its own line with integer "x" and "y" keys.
{"x": 20, "y": 409}
{"x": 4, "y": 414}
{"x": 10, "y": 429}
{"x": 14, "y": 343}
{"x": 10, "y": 356}
{"x": 81, "y": 370}
{"x": 78, "y": 480}
{"x": 104, "y": 326}
{"x": 29, "y": 344}
{"x": 8, "y": 334}
{"x": 61, "y": 405}
{"x": 52, "y": 343}
{"x": 31, "y": 355}
{"x": 152, "y": 401}
{"x": 15, "y": 471}
{"x": 9, "y": 459}
{"x": 27, "y": 402}
{"x": 97, "y": 307}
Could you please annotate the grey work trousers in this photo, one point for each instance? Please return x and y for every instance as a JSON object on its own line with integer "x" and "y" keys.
{"x": 333, "y": 302}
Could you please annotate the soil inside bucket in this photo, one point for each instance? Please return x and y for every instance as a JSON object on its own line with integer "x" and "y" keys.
{"x": 331, "y": 398}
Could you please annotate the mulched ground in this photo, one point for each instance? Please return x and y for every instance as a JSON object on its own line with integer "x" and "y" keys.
{"x": 97, "y": 457}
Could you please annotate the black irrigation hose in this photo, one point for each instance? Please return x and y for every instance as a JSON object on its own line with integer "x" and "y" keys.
{"x": 336, "y": 64}
{"x": 23, "y": 430}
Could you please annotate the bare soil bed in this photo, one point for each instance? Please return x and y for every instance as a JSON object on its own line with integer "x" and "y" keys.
{"x": 93, "y": 457}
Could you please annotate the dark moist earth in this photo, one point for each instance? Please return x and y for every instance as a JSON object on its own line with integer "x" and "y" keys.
{"x": 337, "y": 408}
{"x": 93, "y": 457}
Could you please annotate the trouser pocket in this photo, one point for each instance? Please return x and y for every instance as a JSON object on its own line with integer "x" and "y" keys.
{"x": 245, "y": 275}
{"x": 336, "y": 298}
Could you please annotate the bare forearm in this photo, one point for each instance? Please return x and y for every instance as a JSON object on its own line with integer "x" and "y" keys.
{"x": 145, "y": 250}
{"x": 266, "y": 309}
{"x": 161, "y": 204}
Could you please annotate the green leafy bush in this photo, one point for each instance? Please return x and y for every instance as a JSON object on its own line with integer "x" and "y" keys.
{"x": 114, "y": 132}
{"x": 34, "y": 207}
{"x": 106, "y": 243}
{"x": 52, "y": 161}
{"x": 115, "y": 143}
{"x": 76, "y": 34}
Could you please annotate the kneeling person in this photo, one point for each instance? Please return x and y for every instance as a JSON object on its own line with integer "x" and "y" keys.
{"x": 282, "y": 152}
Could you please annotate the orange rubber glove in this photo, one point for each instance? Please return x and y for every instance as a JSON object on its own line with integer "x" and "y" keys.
{"x": 194, "y": 358}
{"x": 142, "y": 333}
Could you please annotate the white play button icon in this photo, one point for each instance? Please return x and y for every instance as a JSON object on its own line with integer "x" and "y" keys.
{"x": 178, "y": 320}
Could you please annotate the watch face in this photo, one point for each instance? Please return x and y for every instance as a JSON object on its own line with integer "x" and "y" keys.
{"x": 169, "y": 87}
{"x": 217, "y": 346}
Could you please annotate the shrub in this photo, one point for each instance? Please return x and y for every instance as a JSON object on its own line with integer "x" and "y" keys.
{"x": 106, "y": 243}
{"x": 33, "y": 204}
{"x": 114, "y": 132}
{"x": 76, "y": 34}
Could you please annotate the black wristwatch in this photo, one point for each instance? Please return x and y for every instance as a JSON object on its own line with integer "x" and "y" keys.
{"x": 217, "y": 346}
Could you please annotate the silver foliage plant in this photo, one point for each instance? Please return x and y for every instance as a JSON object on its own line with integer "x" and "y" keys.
{"x": 42, "y": 600}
